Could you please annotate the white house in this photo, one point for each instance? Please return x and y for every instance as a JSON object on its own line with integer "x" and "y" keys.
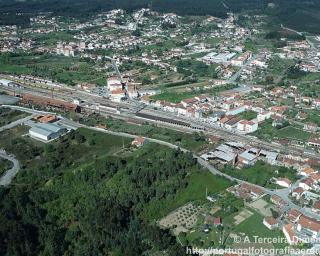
{"x": 182, "y": 110}
{"x": 283, "y": 182}
{"x": 290, "y": 234}
{"x": 118, "y": 95}
{"x": 113, "y": 84}
{"x": 264, "y": 116}
{"x": 307, "y": 171}
{"x": 297, "y": 193}
{"x": 247, "y": 126}
{"x": 309, "y": 226}
{"x": 270, "y": 223}
{"x": 306, "y": 184}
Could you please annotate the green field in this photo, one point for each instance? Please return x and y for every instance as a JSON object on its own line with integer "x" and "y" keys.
{"x": 51, "y": 39}
{"x": 92, "y": 144}
{"x": 293, "y": 133}
{"x": 230, "y": 207}
{"x": 261, "y": 173}
{"x": 248, "y": 115}
{"x": 194, "y": 142}
{"x": 176, "y": 97}
{"x": 195, "y": 191}
{"x": 253, "y": 226}
{"x": 58, "y": 68}
{"x": 313, "y": 117}
{"x": 267, "y": 132}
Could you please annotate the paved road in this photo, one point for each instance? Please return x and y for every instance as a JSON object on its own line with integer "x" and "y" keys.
{"x": 235, "y": 76}
{"x": 292, "y": 30}
{"x": 6, "y": 179}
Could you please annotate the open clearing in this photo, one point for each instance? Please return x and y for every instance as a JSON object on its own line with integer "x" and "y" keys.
{"x": 182, "y": 219}
{"x": 242, "y": 216}
{"x": 262, "y": 206}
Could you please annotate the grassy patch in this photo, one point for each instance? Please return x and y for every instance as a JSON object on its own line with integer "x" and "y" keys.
{"x": 197, "y": 181}
{"x": 268, "y": 132}
{"x": 313, "y": 117}
{"x": 176, "y": 97}
{"x": 194, "y": 142}
{"x": 253, "y": 226}
{"x": 60, "y": 68}
{"x": 248, "y": 115}
{"x": 261, "y": 173}
{"x": 293, "y": 133}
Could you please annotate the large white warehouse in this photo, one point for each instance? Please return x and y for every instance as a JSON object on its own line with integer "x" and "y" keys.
{"x": 47, "y": 131}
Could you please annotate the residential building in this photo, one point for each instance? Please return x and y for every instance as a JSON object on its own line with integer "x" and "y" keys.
{"x": 294, "y": 215}
{"x": 139, "y": 141}
{"x": 270, "y": 223}
{"x": 283, "y": 182}
{"x": 263, "y": 116}
{"x": 247, "y": 126}
{"x": 316, "y": 207}
{"x": 309, "y": 227}
{"x": 290, "y": 234}
{"x": 307, "y": 171}
{"x": 297, "y": 193}
{"x": 314, "y": 142}
{"x": 306, "y": 184}
{"x": 247, "y": 158}
{"x": 310, "y": 127}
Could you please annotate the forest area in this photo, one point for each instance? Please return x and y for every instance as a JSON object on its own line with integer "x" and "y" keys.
{"x": 76, "y": 196}
{"x": 301, "y": 15}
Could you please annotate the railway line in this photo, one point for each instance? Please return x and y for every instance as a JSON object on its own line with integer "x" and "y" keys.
{"x": 127, "y": 111}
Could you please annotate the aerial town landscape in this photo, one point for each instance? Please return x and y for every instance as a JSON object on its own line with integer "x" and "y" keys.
{"x": 155, "y": 132}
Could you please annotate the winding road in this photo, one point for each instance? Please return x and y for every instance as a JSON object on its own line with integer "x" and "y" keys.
{"x": 6, "y": 179}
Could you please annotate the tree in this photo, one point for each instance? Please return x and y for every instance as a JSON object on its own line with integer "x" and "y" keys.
{"x": 79, "y": 138}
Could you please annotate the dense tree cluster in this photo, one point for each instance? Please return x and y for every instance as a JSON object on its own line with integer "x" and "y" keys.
{"x": 93, "y": 207}
{"x": 300, "y": 14}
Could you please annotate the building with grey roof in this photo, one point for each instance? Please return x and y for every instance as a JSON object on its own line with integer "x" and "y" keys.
{"x": 247, "y": 158}
{"x": 270, "y": 156}
{"x": 46, "y": 131}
